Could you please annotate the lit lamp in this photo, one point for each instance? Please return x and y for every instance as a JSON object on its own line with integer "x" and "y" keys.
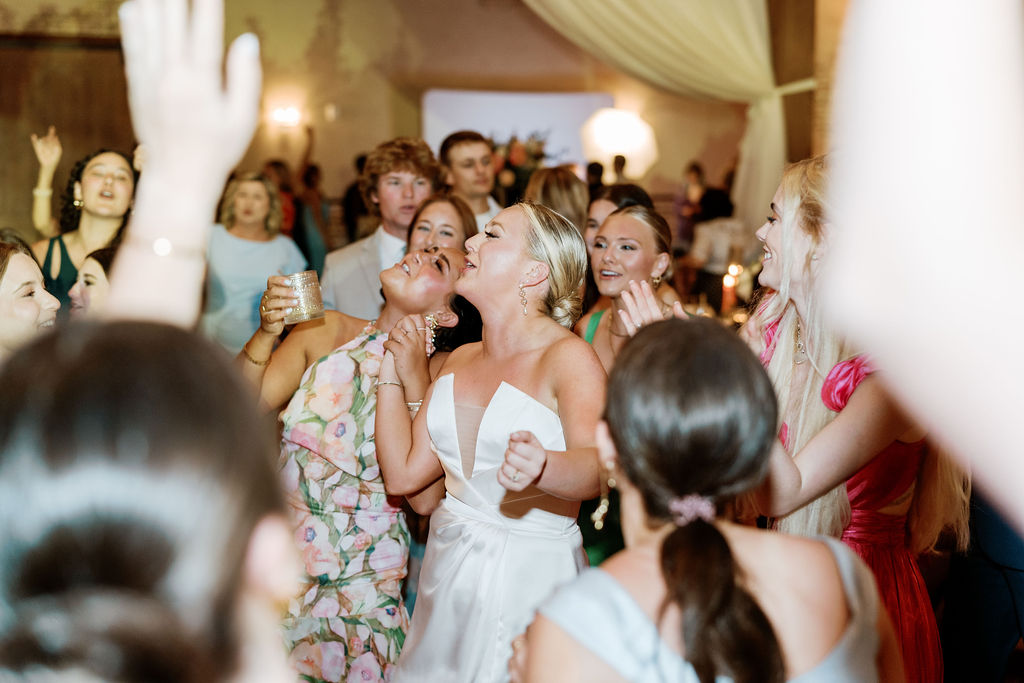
{"x": 609, "y": 132}
{"x": 286, "y": 117}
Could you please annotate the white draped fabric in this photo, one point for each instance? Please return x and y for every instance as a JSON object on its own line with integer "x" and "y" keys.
{"x": 718, "y": 49}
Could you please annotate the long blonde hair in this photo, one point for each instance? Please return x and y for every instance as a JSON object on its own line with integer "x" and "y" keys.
{"x": 941, "y": 490}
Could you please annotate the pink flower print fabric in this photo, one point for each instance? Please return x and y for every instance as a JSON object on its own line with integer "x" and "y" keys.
{"x": 348, "y": 621}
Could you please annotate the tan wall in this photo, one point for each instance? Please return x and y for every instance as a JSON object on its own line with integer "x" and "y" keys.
{"x": 793, "y": 39}
{"x": 828, "y": 24}
{"x": 371, "y": 60}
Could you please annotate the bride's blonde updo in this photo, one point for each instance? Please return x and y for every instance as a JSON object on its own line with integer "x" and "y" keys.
{"x": 554, "y": 241}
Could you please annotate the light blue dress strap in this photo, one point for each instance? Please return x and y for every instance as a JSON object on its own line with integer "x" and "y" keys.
{"x": 598, "y": 613}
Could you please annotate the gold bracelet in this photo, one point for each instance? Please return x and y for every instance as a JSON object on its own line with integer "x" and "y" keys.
{"x": 252, "y": 360}
{"x": 41, "y": 192}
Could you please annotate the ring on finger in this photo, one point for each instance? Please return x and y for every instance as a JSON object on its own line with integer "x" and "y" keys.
{"x": 515, "y": 475}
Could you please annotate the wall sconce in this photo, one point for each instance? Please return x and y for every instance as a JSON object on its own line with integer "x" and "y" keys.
{"x": 609, "y": 132}
{"x": 286, "y": 117}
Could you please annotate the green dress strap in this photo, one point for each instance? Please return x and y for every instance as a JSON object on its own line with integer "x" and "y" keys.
{"x": 595, "y": 319}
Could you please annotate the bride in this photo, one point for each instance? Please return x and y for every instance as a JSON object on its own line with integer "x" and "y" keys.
{"x": 509, "y": 426}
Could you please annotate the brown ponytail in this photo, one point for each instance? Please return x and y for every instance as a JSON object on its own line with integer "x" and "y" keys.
{"x": 692, "y": 412}
{"x": 724, "y": 629}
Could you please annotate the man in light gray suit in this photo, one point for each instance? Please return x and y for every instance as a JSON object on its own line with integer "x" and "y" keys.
{"x": 398, "y": 176}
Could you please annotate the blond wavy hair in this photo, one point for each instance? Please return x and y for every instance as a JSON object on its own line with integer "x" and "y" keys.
{"x": 942, "y": 490}
{"x": 553, "y": 240}
{"x": 275, "y": 215}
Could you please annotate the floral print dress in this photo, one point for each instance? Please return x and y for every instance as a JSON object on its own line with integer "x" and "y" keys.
{"x": 349, "y": 621}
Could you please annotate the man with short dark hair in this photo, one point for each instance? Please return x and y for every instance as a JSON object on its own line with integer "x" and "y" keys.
{"x": 467, "y": 162}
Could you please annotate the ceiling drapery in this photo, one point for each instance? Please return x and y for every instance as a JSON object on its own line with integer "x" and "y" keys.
{"x": 713, "y": 49}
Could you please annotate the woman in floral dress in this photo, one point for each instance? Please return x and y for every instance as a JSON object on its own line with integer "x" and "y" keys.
{"x": 348, "y": 621}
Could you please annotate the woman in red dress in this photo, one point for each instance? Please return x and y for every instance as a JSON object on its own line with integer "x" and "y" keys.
{"x": 848, "y": 462}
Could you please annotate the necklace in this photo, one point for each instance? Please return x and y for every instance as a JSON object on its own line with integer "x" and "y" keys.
{"x": 799, "y": 351}
{"x": 611, "y": 324}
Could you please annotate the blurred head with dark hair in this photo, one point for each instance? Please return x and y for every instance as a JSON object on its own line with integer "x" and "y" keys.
{"x": 608, "y": 199}
{"x": 467, "y": 161}
{"x": 691, "y": 416}
{"x": 92, "y": 286}
{"x": 101, "y": 184}
{"x": 140, "y": 510}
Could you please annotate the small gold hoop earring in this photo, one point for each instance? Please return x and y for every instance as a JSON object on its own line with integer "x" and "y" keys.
{"x": 655, "y": 282}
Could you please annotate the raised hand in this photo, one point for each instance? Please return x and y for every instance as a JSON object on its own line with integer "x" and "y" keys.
{"x": 525, "y": 459}
{"x": 410, "y": 346}
{"x": 195, "y": 125}
{"x": 190, "y": 122}
{"x": 642, "y": 307}
{"x": 48, "y": 149}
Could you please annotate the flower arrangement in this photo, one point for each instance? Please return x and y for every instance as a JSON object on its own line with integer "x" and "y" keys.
{"x": 514, "y": 161}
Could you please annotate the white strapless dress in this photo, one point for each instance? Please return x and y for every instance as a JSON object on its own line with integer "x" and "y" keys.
{"x": 492, "y": 556}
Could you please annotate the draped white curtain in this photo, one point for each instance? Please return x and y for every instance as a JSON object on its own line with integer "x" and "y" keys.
{"x": 716, "y": 49}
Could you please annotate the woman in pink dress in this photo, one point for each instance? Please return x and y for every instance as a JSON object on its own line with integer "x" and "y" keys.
{"x": 848, "y": 462}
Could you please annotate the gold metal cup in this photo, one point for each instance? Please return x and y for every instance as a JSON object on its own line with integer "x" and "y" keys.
{"x": 311, "y": 302}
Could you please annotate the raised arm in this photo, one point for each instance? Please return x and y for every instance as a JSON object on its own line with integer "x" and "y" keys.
{"x": 48, "y": 152}
{"x": 407, "y": 462}
{"x": 578, "y": 381}
{"x": 195, "y": 129}
{"x": 275, "y": 373}
{"x": 869, "y": 422}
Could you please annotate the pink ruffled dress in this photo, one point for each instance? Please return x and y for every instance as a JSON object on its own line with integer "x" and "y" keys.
{"x": 881, "y": 539}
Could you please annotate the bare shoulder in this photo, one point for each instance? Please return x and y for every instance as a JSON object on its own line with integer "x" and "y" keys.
{"x": 39, "y": 249}
{"x": 791, "y": 576}
{"x": 773, "y": 549}
{"x": 567, "y": 353}
{"x": 580, "y": 328}
{"x": 460, "y": 357}
{"x": 317, "y": 338}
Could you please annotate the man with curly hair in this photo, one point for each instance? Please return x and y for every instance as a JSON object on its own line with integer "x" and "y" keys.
{"x": 399, "y": 174}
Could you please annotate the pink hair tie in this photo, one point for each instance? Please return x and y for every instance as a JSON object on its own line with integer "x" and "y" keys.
{"x": 687, "y": 508}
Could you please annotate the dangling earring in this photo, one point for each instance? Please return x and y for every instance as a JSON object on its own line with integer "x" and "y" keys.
{"x": 78, "y": 203}
{"x": 522, "y": 298}
{"x": 597, "y": 517}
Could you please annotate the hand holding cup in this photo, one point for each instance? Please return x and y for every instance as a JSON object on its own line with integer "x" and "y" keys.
{"x": 277, "y": 302}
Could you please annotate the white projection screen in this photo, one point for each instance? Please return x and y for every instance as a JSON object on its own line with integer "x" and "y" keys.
{"x": 555, "y": 117}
